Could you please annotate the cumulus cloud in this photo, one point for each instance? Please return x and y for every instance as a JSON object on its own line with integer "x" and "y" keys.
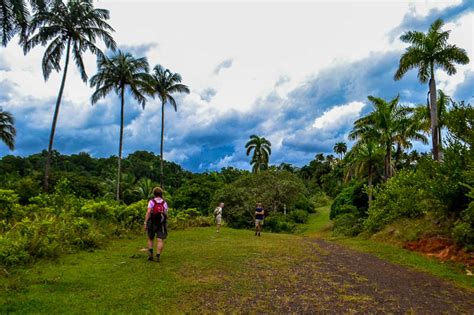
{"x": 139, "y": 50}
{"x": 207, "y": 94}
{"x": 223, "y": 65}
{"x": 339, "y": 116}
{"x": 413, "y": 20}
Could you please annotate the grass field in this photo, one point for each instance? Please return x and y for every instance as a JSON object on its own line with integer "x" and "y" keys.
{"x": 200, "y": 271}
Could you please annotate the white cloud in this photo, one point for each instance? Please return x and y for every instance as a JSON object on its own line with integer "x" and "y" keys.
{"x": 338, "y": 116}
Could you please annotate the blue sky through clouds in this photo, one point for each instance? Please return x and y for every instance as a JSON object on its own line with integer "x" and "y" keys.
{"x": 296, "y": 73}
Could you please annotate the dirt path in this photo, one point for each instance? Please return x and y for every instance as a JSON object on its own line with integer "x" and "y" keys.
{"x": 323, "y": 277}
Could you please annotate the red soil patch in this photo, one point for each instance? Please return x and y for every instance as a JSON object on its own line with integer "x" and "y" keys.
{"x": 441, "y": 248}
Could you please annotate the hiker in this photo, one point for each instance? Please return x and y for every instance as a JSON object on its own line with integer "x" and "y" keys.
{"x": 259, "y": 217}
{"x": 218, "y": 215}
{"x": 155, "y": 223}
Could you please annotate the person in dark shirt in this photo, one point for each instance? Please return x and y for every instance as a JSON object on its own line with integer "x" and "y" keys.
{"x": 259, "y": 217}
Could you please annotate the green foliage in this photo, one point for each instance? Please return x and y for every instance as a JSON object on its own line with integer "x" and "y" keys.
{"x": 298, "y": 216}
{"x": 347, "y": 224}
{"x": 197, "y": 192}
{"x": 351, "y": 199}
{"x": 8, "y": 201}
{"x": 274, "y": 189}
{"x": 183, "y": 219}
{"x": 404, "y": 195}
{"x": 320, "y": 199}
{"x": 279, "y": 223}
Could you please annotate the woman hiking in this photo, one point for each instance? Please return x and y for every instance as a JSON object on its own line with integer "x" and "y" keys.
{"x": 155, "y": 223}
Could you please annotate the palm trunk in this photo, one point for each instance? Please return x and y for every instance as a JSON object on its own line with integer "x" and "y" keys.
{"x": 388, "y": 161}
{"x": 370, "y": 184}
{"x": 162, "y": 141}
{"x": 434, "y": 116}
{"x": 47, "y": 165}
{"x": 119, "y": 166}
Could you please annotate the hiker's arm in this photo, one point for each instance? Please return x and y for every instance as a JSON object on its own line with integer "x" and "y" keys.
{"x": 147, "y": 216}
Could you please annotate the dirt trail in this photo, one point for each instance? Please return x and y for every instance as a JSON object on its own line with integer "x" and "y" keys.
{"x": 331, "y": 279}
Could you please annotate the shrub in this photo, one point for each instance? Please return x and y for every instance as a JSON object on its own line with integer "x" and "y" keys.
{"x": 353, "y": 196}
{"x": 347, "y": 224}
{"x": 8, "y": 204}
{"x": 278, "y": 223}
{"x": 320, "y": 200}
{"x": 404, "y": 195}
{"x": 298, "y": 216}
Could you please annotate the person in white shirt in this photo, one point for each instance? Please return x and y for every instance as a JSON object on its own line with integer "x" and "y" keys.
{"x": 218, "y": 215}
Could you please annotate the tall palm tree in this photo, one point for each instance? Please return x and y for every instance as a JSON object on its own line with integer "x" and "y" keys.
{"x": 261, "y": 152}
{"x": 120, "y": 73}
{"x": 14, "y": 17}
{"x": 340, "y": 148}
{"x": 164, "y": 84}
{"x": 364, "y": 159}
{"x": 71, "y": 27}
{"x": 428, "y": 52}
{"x": 386, "y": 124}
{"x": 7, "y": 129}
{"x": 422, "y": 114}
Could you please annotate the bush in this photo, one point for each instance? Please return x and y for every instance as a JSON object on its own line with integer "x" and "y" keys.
{"x": 306, "y": 205}
{"x": 352, "y": 196}
{"x": 320, "y": 200}
{"x": 404, "y": 196}
{"x": 298, "y": 216}
{"x": 347, "y": 224}
{"x": 8, "y": 204}
{"x": 278, "y": 223}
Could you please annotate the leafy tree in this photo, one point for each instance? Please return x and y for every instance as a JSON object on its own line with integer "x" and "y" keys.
{"x": 197, "y": 192}
{"x": 261, "y": 148}
{"x": 119, "y": 73}
{"x": 387, "y": 124}
{"x": 274, "y": 189}
{"x": 71, "y": 27}
{"x": 340, "y": 148}
{"x": 364, "y": 159}
{"x": 427, "y": 52}
{"x": 164, "y": 84}
{"x": 7, "y": 129}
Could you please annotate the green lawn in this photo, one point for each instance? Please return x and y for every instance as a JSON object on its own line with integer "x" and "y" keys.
{"x": 119, "y": 279}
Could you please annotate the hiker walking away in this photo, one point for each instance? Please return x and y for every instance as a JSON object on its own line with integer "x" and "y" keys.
{"x": 259, "y": 217}
{"x": 155, "y": 223}
{"x": 218, "y": 215}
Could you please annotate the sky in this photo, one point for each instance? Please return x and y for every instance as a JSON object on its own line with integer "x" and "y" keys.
{"x": 297, "y": 73}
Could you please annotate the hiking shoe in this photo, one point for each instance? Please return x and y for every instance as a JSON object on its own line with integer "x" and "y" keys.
{"x": 158, "y": 258}
{"x": 150, "y": 258}
{"x": 255, "y": 233}
{"x": 258, "y": 233}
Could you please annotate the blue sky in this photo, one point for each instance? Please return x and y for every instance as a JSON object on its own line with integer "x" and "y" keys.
{"x": 298, "y": 74}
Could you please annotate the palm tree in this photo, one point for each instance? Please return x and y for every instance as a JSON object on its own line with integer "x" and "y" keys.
{"x": 422, "y": 114}
{"x": 14, "y": 17}
{"x": 261, "y": 152}
{"x": 429, "y": 51}
{"x": 7, "y": 129}
{"x": 119, "y": 73}
{"x": 364, "y": 159}
{"x": 387, "y": 125}
{"x": 71, "y": 28}
{"x": 340, "y": 148}
{"x": 164, "y": 84}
